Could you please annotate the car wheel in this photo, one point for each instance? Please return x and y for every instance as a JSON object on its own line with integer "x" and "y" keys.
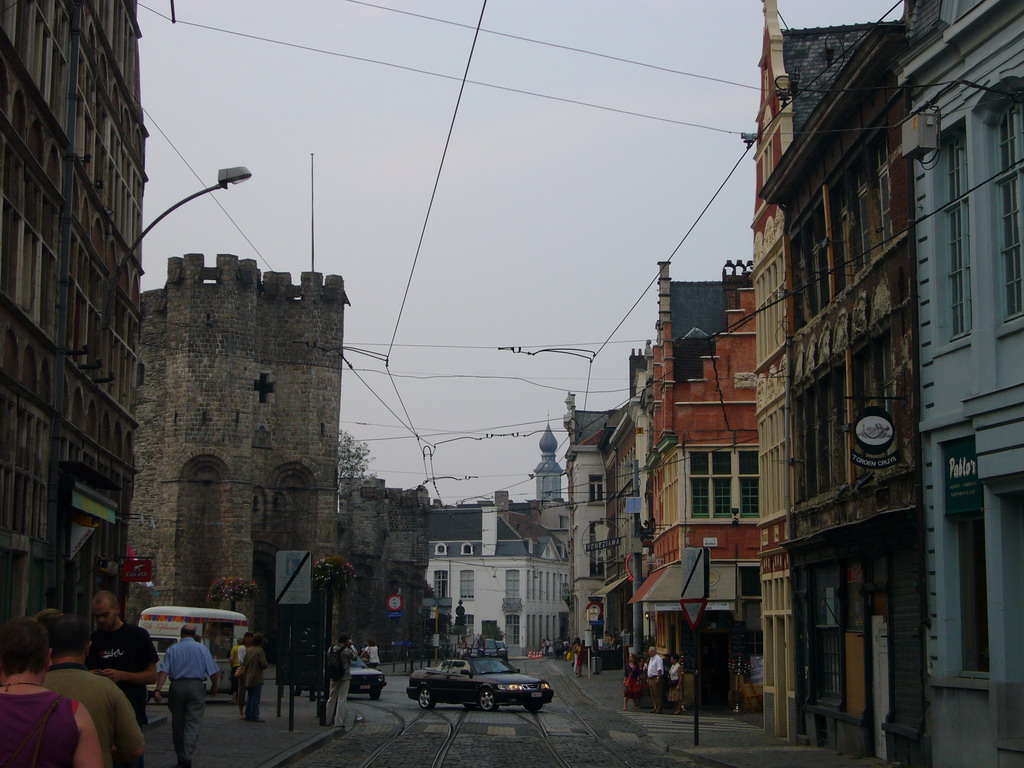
{"x": 486, "y": 700}
{"x": 426, "y": 698}
{"x": 533, "y": 706}
{"x": 375, "y": 694}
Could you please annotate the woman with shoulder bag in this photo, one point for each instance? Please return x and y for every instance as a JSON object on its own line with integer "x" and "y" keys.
{"x": 675, "y": 682}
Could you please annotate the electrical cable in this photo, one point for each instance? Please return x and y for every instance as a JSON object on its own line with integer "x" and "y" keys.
{"x": 416, "y": 70}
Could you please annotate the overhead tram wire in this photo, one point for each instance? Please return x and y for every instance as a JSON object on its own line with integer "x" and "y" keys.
{"x": 416, "y": 70}
{"x": 214, "y": 198}
{"x": 426, "y": 449}
{"x": 559, "y": 46}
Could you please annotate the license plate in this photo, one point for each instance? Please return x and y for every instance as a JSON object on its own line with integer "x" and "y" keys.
{"x": 536, "y": 694}
{"x": 364, "y": 687}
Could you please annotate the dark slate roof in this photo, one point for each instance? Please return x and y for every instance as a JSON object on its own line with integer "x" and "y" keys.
{"x": 588, "y": 426}
{"x": 448, "y": 524}
{"x": 698, "y": 309}
{"x": 925, "y": 18}
{"x": 816, "y": 56}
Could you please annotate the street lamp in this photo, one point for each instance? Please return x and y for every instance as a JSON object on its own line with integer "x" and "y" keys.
{"x": 225, "y": 177}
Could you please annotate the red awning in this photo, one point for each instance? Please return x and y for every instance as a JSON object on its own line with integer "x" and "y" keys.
{"x": 648, "y": 585}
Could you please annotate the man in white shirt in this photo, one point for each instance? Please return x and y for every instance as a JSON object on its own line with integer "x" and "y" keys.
{"x": 655, "y": 674}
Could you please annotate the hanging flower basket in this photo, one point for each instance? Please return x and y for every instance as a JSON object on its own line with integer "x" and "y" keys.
{"x": 333, "y": 572}
{"x": 231, "y": 589}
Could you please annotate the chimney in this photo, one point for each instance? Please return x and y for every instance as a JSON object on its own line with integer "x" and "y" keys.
{"x": 501, "y": 500}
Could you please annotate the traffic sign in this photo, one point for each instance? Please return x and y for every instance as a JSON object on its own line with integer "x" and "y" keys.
{"x": 595, "y": 613}
{"x": 693, "y": 609}
{"x": 293, "y": 577}
{"x": 395, "y": 603}
{"x": 696, "y": 573}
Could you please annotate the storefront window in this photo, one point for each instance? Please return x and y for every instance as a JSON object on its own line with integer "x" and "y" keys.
{"x": 827, "y": 636}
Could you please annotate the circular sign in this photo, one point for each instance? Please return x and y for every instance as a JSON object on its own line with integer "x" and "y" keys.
{"x": 594, "y": 611}
{"x": 874, "y": 430}
{"x": 394, "y": 602}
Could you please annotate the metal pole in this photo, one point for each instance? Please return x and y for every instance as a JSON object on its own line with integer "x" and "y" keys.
{"x": 291, "y": 671}
{"x": 696, "y": 688}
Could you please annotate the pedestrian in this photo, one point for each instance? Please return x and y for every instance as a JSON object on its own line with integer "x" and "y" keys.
{"x": 123, "y": 653}
{"x": 187, "y": 663}
{"x": 676, "y": 682}
{"x": 632, "y": 682}
{"x": 371, "y": 654}
{"x": 236, "y": 662}
{"x": 655, "y": 673}
{"x": 237, "y": 676}
{"x": 119, "y": 734}
{"x": 577, "y": 656}
{"x": 252, "y": 672}
{"x": 339, "y": 670}
{"x": 40, "y": 727}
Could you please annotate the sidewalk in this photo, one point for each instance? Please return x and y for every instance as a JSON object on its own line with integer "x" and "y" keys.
{"x": 227, "y": 741}
{"x": 727, "y": 740}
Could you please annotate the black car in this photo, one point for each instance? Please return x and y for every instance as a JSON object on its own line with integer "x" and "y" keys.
{"x": 486, "y": 683}
{"x": 492, "y": 648}
{"x": 366, "y": 680}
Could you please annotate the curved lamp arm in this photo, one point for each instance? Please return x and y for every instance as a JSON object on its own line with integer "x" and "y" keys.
{"x": 225, "y": 177}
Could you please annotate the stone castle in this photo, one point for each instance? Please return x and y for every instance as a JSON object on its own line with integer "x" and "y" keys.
{"x": 238, "y": 440}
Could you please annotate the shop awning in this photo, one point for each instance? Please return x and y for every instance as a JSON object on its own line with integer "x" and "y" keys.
{"x": 644, "y": 594}
{"x": 607, "y": 589}
{"x": 96, "y": 504}
{"x": 666, "y": 585}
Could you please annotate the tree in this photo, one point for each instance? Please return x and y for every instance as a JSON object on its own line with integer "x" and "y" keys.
{"x": 353, "y": 464}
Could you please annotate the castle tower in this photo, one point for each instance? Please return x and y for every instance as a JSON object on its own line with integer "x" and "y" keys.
{"x": 238, "y": 438}
{"x": 548, "y": 473}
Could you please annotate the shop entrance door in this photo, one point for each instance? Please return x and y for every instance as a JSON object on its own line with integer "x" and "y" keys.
{"x": 714, "y": 668}
{"x": 880, "y": 679}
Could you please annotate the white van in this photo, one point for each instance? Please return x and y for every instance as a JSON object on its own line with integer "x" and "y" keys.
{"x": 217, "y": 630}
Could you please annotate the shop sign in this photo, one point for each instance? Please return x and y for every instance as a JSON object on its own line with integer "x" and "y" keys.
{"x": 962, "y": 486}
{"x": 874, "y": 433}
{"x": 137, "y": 569}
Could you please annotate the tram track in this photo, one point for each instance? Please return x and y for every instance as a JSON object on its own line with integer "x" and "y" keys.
{"x": 406, "y": 730}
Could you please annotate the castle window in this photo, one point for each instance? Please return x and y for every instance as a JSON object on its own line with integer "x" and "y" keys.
{"x": 264, "y": 386}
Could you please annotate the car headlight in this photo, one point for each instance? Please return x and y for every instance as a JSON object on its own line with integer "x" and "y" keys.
{"x": 510, "y": 687}
{"x": 380, "y": 678}
{"x": 545, "y": 686}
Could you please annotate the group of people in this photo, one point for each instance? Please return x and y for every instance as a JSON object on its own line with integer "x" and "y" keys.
{"x": 248, "y": 661}
{"x": 71, "y": 698}
{"x": 661, "y": 676}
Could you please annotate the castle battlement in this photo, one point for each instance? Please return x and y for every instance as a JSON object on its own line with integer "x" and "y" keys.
{"x": 191, "y": 269}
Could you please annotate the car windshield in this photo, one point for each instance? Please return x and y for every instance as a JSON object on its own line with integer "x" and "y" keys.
{"x": 490, "y": 666}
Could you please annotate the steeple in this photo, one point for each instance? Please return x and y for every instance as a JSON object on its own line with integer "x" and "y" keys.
{"x": 548, "y": 473}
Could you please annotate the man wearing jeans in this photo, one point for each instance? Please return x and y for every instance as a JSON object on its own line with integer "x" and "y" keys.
{"x": 187, "y": 663}
{"x": 337, "y": 701}
{"x": 655, "y": 673}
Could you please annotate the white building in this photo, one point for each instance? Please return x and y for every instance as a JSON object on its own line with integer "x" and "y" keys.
{"x": 507, "y": 572}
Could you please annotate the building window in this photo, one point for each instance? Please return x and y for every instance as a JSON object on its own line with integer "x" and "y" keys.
{"x": 750, "y": 491}
{"x": 723, "y": 496}
{"x": 440, "y": 583}
{"x": 711, "y": 483}
{"x": 440, "y": 549}
{"x": 882, "y": 174}
{"x": 701, "y": 505}
{"x": 467, "y": 549}
{"x": 1008, "y": 201}
{"x": 957, "y": 236}
{"x": 470, "y": 624}
{"x": 596, "y": 483}
{"x": 466, "y": 585}
{"x": 512, "y": 629}
{"x": 973, "y": 595}
{"x": 827, "y": 635}
{"x": 511, "y": 583}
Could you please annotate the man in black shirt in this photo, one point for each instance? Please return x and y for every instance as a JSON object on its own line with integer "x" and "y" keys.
{"x": 122, "y": 652}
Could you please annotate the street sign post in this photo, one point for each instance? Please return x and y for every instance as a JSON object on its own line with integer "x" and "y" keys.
{"x": 693, "y": 599}
{"x": 293, "y": 577}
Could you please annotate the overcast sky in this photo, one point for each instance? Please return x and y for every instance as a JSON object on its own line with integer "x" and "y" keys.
{"x": 569, "y": 174}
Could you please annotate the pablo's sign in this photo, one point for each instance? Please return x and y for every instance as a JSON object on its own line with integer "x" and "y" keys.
{"x": 137, "y": 569}
{"x": 874, "y": 433}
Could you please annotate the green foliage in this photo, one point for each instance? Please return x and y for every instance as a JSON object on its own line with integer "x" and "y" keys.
{"x": 353, "y": 464}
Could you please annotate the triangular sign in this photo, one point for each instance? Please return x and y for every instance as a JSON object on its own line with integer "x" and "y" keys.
{"x": 693, "y": 608}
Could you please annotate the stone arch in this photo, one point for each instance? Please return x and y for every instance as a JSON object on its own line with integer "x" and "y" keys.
{"x": 204, "y": 468}
{"x": 840, "y": 333}
{"x": 35, "y": 141}
{"x": 289, "y": 489}
{"x": 45, "y": 380}
{"x": 76, "y": 407}
{"x": 53, "y": 165}
{"x": 264, "y": 556}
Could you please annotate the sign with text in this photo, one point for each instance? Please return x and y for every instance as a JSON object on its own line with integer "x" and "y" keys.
{"x": 960, "y": 470}
{"x": 874, "y": 433}
{"x": 137, "y": 569}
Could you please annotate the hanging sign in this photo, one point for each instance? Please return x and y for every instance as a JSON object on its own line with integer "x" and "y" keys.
{"x": 874, "y": 433}
{"x": 137, "y": 569}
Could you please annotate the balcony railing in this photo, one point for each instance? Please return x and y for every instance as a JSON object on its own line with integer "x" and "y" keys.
{"x": 511, "y": 605}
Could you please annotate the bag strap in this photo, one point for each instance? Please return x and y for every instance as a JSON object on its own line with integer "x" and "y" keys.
{"x": 40, "y": 726}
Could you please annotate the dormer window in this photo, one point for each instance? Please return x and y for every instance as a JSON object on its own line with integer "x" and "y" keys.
{"x": 440, "y": 549}
{"x": 467, "y": 549}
